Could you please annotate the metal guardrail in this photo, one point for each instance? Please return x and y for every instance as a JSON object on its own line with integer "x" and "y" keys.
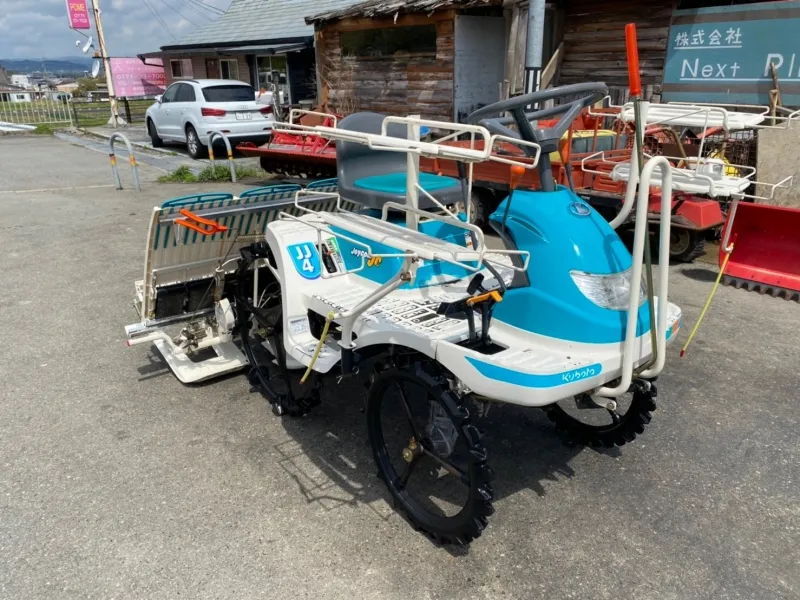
{"x": 35, "y": 107}
{"x": 225, "y": 139}
{"x": 131, "y": 158}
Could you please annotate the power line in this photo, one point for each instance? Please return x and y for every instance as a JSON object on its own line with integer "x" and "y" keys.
{"x": 197, "y": 11}
{"x": 169, "y": 6}
{"x": 207, "y": 7}
{"x": 158, "y": 18}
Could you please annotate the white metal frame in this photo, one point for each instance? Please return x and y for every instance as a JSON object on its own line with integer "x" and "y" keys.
{"x": 688, "y": 179}
{"x": 414, "y": 148}
{"x": 640, "y": 231}
{"x": 705, "y": 115}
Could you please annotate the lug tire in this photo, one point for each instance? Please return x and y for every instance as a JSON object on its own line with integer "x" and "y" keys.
{"x": 472, "y": 518}
{"x": 631, "y": 424}
{"x": 479, "y": 210}
{"x": 686, "y": 245}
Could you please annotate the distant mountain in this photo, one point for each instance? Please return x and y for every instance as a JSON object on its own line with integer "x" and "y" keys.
{"x": 64, "y": 65}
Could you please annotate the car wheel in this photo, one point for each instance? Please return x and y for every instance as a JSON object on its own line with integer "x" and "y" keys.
{"x": 153, "y": 133}
{"x": 196, "y": 149}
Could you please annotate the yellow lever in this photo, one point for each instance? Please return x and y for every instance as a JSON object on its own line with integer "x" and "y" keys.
{"x": 494, "y": 295}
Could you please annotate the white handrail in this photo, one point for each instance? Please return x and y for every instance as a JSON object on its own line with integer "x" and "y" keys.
{"x": 785, "y": 119}
{"x": 641, "y": 230}
{"x": 786, "y": 182}
{"x": 368, "y": 249}
{"x": 347, "y": 319}
{"x": 630, "y": 191}
{"x": 477, "y": 231}
{"x": 456, "y": 128}
{"x": 481, "y": 251}
{"x": 510, "y": 161}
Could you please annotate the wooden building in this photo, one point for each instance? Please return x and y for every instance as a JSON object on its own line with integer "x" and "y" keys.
{"x": 445, "y": 58}
{"x": 441, "y": 59}
{"x": 594, "y": 42}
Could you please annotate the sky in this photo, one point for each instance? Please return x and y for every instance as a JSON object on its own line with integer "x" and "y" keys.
{"x": 39, "y": 28}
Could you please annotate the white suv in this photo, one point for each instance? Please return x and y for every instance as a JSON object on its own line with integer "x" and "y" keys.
{"x": 190, "y": 110}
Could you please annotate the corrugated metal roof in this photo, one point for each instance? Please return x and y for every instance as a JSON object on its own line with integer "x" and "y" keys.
{"x": 259, "y": 22}
{"x": 375, "y": 8}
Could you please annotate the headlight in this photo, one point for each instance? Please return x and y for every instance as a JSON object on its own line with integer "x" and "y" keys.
{"x": 608, "y": 291}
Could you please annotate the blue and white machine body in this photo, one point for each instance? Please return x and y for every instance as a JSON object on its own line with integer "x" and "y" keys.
{"x": 573, "y": 317}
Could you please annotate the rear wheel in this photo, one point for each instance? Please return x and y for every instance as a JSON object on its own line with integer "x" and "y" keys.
{"x": 593, "y": 425}
{"x": 153, "y": 133}
{"x": 196, "y": 149}
{"x": 429, "y": 455}
{"x": 685, "y": 245}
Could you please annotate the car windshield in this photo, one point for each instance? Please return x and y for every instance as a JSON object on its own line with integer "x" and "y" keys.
{"x": 229, "y": 93}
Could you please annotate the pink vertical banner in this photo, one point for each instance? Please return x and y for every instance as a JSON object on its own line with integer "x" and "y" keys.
{"x": 78, "y": 14}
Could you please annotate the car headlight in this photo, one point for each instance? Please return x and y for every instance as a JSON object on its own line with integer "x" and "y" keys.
{"x": 608, "y": 291}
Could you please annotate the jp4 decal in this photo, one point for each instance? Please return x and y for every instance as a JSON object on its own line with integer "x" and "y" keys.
{"x": 306, "y": 259}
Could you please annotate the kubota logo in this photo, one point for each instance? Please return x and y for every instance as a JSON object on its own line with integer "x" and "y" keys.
{"x": 577, "y": 374}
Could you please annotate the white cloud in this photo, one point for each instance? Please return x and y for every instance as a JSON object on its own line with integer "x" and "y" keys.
{"x": 28, "y": 31}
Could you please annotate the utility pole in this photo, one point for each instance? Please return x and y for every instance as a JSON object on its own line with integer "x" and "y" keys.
{"x": 533, "y": 46}
{"x": 112, "y": 98}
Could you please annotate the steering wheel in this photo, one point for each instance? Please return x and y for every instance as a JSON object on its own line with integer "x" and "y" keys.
{"x": 548, "y": 137}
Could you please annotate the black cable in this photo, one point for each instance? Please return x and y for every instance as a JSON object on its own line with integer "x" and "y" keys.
{"x": 158, "y": 18}
{"x": 198, "y": 12}
{"x": 169, "y": 6}
{"x": 208, "y": 7}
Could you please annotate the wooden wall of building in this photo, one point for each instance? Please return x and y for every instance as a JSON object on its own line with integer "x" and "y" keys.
{"x": 401, "y": 84}
{"x": 594, "y": 40}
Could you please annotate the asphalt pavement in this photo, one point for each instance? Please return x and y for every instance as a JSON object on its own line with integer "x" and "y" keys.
{"x": 119, "y": 482}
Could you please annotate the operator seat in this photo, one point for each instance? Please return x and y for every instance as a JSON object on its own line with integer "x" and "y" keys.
{"x": 373, "y": 177}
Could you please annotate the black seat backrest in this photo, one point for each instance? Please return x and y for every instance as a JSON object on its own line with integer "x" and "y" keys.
{"x": 355, "y": 160}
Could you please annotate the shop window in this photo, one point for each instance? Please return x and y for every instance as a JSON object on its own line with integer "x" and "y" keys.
{"x": 388, "y": 41}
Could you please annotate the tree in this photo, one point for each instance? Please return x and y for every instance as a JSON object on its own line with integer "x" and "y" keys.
{"x": 85, "y": 85}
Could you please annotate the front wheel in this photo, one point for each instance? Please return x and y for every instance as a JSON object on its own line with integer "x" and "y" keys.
{"x": 592, "y": 425}
{"x": 193, "y": 144}
{"x": 429, "y": 455}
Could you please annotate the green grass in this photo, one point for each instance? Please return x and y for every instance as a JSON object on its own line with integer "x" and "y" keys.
{"x": 215, "y": 173}
{"x": 180, "y": 175}
{"x": 43, "y": 130}
{"x": 210, "y": 174}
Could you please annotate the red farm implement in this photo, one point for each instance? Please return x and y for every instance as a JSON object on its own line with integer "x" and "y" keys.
{"x": 298, "y": 156}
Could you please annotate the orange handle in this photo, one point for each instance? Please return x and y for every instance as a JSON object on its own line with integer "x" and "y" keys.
{"x": 494, "y": 295}
{"x": 213, "y": 226}
{"x": 634, "y": 80}
{"x": 517, "y": 172}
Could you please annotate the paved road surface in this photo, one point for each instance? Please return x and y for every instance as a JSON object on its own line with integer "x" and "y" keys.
{"x": 119, "y": 482}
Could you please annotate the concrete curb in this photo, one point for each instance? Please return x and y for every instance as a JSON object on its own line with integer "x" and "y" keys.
{"x": 148, "y": 147}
